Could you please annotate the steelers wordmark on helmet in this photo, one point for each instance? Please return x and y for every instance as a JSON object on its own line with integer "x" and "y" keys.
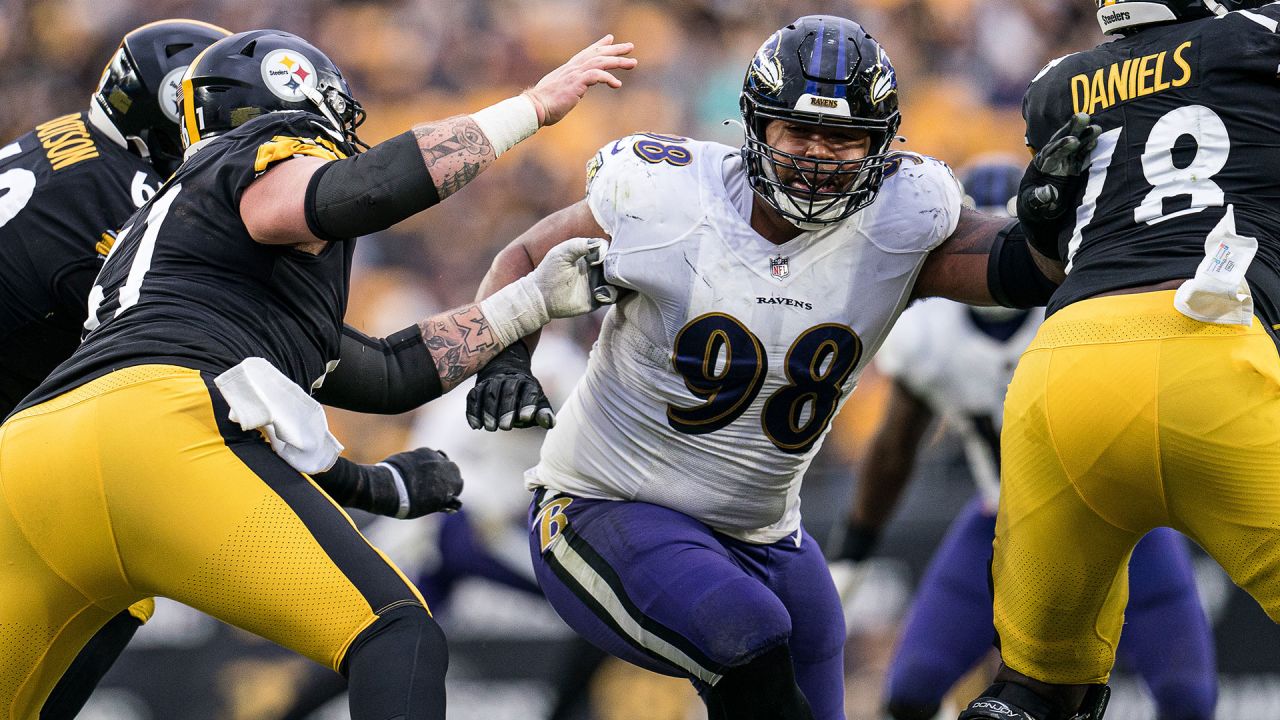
{"x": 286, "y": 72}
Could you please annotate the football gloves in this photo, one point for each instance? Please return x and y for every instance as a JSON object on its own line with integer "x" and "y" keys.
{"x": 1056, "y": 169}
{"x": 1055, "y": 176}
{"x": 507, "y": 395}
{"x": 406, "y": 485}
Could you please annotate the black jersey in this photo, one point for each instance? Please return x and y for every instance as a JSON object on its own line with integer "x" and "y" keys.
{"x": 186, "y": 285}
{"x": 1188, "y": 113}
{"x": 64, "y": 190}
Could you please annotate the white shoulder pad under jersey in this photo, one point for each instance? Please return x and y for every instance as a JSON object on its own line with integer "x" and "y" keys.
{"x": 712, "y": 386}
{"x": 937, "y": 353}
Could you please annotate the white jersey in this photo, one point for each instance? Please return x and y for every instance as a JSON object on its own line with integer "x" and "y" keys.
{"x": 712, "y": 386}
{"x": 938, "y": 354}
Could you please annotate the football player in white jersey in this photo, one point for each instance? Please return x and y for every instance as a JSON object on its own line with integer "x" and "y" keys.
{"x": 954, "y": 361}
{"x": 756, "y": 285}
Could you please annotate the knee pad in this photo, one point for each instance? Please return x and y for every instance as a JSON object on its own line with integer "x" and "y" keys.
{"x": 407, "y": 632}
{"x": 901, "y": 710}
{"x": 740, "y": 620}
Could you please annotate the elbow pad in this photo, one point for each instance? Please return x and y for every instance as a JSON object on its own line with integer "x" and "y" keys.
{"x": 1013, "y": 278}
{"x": 383, "y": 376}
{"x": 371, "y": 191}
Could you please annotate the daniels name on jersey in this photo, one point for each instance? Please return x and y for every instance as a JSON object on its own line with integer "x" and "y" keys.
{"x": 712, "y": 385}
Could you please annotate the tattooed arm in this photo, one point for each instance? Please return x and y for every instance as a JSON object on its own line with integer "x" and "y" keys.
{"x": 460, "y": 342}
{"x": 306, "y": 200}
{"x": 957, "y": 269}
{"x": 455, "y": 151}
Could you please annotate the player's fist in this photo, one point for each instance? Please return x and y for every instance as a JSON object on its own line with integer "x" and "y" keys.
{"x": 560, "y": 90}
{"x": 507, "y": 395}
{"x": 570, "y": 280}
{"x": 424, "y": 481}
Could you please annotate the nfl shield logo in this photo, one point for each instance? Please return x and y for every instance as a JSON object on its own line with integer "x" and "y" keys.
{"x": 778, "y": 267}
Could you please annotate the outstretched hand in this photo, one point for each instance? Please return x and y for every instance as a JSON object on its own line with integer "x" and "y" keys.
{"x": 560, "y": 90}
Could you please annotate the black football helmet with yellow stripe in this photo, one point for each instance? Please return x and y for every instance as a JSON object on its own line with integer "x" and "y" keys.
{"x": 825, "y": 71}
{"x": 138, "y": 93}
{"x": 1123, "y": 16}
{"x": 261, "y": 71}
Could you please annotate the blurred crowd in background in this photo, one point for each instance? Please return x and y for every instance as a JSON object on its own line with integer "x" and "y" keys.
{"x": 962, "y": 68}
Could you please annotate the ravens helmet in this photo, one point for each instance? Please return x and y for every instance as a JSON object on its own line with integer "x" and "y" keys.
{"x": 138, "y": 93}
{"x": 261, "y": 71}
{"x": 825, "y": 71}
{"x": 1119, "y": 16}
{"x": 991, "y": 185}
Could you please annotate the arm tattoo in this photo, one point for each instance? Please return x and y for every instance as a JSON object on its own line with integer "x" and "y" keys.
{"x": 974, "y": 234}
{"x": 460, "y": 341}
{"x": 455, "y": 150}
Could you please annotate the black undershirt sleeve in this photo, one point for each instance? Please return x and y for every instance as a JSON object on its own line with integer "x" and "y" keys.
{"x": 381, "y": 375}
{"x": 371, "y": 191}
{"x": 1013, "y": 278}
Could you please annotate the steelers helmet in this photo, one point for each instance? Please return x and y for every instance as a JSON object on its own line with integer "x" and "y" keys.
{"x": 261, "y": 71}
{"x": 1121, "y": 16}
{"x": 138, "y": 92}
{"x": 824, "y": 71}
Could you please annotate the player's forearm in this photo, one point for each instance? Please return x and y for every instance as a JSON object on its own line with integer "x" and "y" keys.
{"x": 890, "y": 458}
{"x": 461, "y": 341}
{"x": 880, "y": 486}
{"x": 455, "y": 151}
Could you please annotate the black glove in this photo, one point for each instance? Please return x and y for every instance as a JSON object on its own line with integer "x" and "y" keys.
{"x": 507, "y": 395}
{"x": 1058, "y": 165}
{"x": 858, "y": 543}
{"x": 1055, "y": 175}
{"x": 432, "y": 483}
{"x": 427, "y": 482}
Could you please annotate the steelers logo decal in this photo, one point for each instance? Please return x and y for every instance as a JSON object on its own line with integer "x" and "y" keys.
{"x": 286, "y": 72}
{"x": 170, "y": 93}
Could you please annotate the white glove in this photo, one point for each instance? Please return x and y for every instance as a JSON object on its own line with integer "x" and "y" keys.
{"x": 567, "y": 283}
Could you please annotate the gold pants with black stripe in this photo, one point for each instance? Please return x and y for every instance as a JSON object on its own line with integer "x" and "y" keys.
{"x": 136, "y": 485}
{"x": 1125, "y": 415}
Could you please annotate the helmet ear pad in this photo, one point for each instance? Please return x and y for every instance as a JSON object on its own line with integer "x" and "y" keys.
{"x": 824, "y": 71}
{"x": 263, "y": 71}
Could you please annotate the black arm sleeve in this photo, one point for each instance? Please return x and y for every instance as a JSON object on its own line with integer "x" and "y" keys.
{"x": 1013, "y": 278}
{"x": 381, "y": 375}
{"x": 371, "y": 191}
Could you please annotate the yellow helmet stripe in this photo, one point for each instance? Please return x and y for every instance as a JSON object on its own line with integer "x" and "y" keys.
{"x": 188, "y": 100}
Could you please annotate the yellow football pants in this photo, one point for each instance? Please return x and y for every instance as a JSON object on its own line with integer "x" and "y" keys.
{"x": 1125, "y": 415}
{"x": 135, "y": 485}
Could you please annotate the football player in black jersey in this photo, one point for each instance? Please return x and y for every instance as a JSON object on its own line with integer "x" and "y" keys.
{"x": 140, "y": 466}
{"x": 1148, "y": 398}
{"x": 70, "y": 183}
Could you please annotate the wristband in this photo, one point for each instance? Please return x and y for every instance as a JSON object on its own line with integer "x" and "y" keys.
{"x": 507, "y": 122}
{"x": 402, "y": 492}
{"x": 515, "y": 311}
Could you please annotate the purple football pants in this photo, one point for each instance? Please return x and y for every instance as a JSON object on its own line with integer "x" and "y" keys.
{"x": 661, "y": 590}
{"x": 1166, "y": 639}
